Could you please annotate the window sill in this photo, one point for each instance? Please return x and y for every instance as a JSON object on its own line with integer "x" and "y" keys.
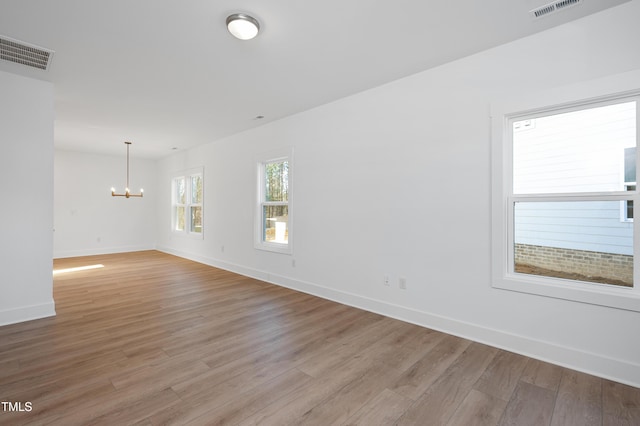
{"x": 590, "y": 293}
{"x": 274, "y": 247}
{"x": 192, "y": 235}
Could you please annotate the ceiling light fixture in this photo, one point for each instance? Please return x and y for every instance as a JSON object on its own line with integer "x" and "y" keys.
{"x": 242, "y": 26}
{"x": 127, "y": 193}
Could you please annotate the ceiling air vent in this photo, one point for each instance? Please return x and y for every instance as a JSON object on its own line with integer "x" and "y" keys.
{"x": 550, "y": 8}
{"x": 25, "y": 54}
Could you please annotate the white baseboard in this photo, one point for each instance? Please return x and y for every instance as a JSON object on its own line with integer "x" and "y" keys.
{"x": 60, "y": 254}
{"x": 27, "y": 313}
{"x": 621, "y": 371}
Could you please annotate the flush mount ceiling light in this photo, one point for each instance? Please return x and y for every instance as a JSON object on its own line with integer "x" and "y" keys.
{"x": 127, "y": 193}
{"x": 242, "y": 26}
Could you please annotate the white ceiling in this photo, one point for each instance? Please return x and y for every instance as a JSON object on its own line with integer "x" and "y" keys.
{"x": 167, "y": 74}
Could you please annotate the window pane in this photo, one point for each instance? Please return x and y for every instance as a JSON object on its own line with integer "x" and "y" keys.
{"x": 196, "y": 218}
{"x": 179, "y": 215}
{"x": 630, "y": 165}
{"x": 180, "y": 195}
{"x": 579, "y": 151}
{"x": 276, "y": 177}
{"x": 196, "y": 189}
{"x": 576, "y": 240}
{"x": 275, "y": 224}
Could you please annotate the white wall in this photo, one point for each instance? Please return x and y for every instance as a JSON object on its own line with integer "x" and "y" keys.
{"x": 26, "y": 171}
{"x": 87, "y": 219}
{"x": 396, "y": 180}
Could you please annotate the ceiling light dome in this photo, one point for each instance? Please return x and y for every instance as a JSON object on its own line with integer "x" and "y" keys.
{"x": 243, "y": 26}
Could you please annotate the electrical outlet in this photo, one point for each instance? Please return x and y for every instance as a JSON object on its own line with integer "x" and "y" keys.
{"x": 402, "y": 283}
{"x": 293, "y": 263}
{"x": 221, "y": 249}
{"x": 386, "y": 280}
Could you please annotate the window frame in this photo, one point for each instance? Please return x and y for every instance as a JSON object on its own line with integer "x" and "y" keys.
{"x": 175, "y": 204}
{"x": 188, "y": 205}
{"x": 274, "y": 156}
{"x": 193, "y": 203}
{"x": 503, "y": 200}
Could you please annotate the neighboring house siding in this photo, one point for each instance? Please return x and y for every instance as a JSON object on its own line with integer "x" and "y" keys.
{"x": 549, "y": 149}
{"x": 590, "y": 226}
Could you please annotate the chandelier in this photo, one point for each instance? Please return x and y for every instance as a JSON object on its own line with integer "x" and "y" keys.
{"x": 127, "y": 193}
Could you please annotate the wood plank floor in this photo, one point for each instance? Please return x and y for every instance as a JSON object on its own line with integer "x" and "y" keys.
{"x": 153, "y": 339}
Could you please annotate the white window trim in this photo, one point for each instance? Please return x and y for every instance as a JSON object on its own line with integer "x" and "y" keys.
{"x": 502, "y": 275}
{"x": 186, "y": 174}
{"x": 260, "y": 161}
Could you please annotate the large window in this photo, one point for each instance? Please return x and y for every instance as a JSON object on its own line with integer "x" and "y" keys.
{"x": 273, "y": 217}
{"x": 187, "y": 197}
{"x": 563, "y": 175}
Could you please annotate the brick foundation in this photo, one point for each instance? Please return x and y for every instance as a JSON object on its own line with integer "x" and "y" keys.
{"x": 589, "y": 263}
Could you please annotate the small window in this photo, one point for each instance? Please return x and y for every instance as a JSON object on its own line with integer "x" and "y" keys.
{"x": 195, "y": 207}
{"x": 187, "y": 203}
{"x": 273, "y": 222}
{"x": 179, "y": 203}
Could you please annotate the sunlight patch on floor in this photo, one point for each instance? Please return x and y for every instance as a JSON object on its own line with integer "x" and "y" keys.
{"x": 79, "y": 268}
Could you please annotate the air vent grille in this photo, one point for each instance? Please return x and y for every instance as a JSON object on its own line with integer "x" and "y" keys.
{"x": 544, "y": 11}
{"x": 550, "y": 8}
{"x": 22, "y": 53}
{"x": 566, "y": 3}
